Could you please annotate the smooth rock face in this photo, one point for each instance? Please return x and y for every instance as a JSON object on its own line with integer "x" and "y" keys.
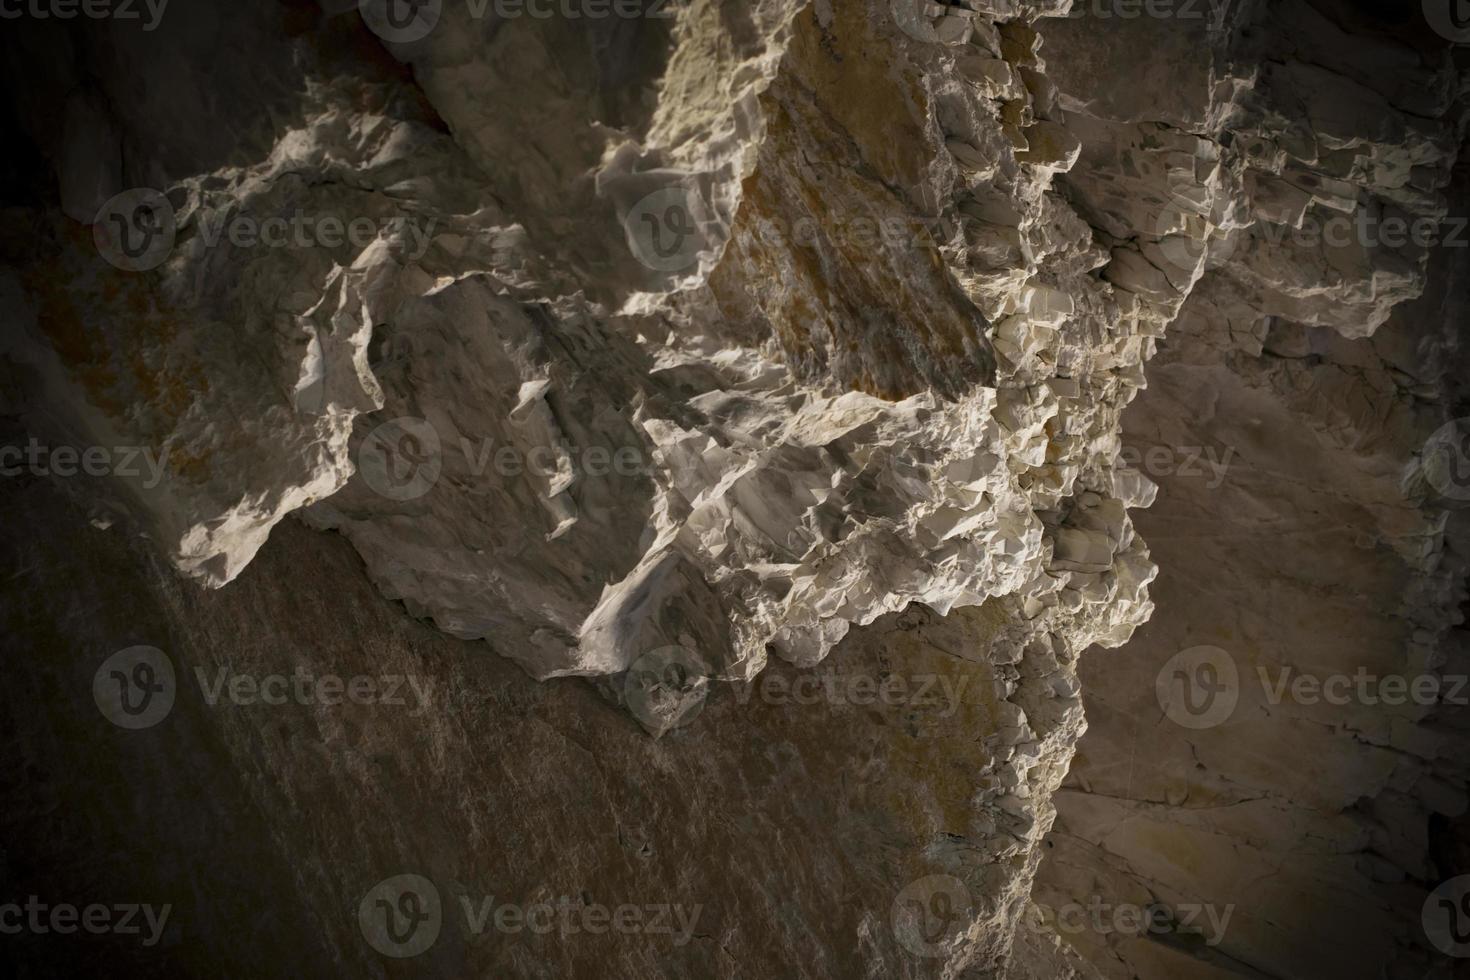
{"x": 752, "y": 376}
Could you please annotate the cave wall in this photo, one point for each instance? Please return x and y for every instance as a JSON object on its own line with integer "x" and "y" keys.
{"x": 687, "y": 359}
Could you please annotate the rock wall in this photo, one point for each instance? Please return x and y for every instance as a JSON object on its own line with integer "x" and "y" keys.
{"x": 1295, "y": 527}
{"x": 707, "y": 353}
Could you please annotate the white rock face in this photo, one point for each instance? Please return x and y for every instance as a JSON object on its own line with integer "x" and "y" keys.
{"x": 764, "y": 509}
{"x": 740, "y": 332}
{"x": 755, "y": 501}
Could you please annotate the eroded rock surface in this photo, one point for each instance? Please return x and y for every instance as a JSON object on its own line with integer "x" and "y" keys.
{"x": 1296, "y": 529}
{"x": 761, "y": 340}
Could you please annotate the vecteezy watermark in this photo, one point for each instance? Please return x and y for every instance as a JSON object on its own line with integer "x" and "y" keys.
{"x": 664, "y": 229}
{"x": 931, "y": 914}
{"x": 861, "y": 690}
{"x": 304, "y": 229}
{"x": 65, "y": 919}
{"x": 1212, "y": 11}
{"x": 403, "y": 916}
{"x": 1126, "y": 919}
{"x": 1198, "y": 687}
{"x": 401, "y": 21}
{"x": 134, "y": 688}
{"x": 1201, "y": 686}
{"x": 137, "y": 230}
{"x": 1449, "y": 18}
{"x": 39, "y": 459}
{"x": 123, "y": 10}
{"x": 892, "y": 234}
{"x": 933, "y": 21}
{"x": 403, "y": 458}
{"x": 1446, "y": 917}
{"x": 304, "y": 687}
{"x": 1189, "y": 462}
{"x": 551, "y": 461}
{"x": 666, "y": 688}
{"x": 1188, "y": 238}
{"x": 1363, "y": 687}
{"x": 407, "y": 21}
{"x": 1445, "y": 460}
{"x": 1370, "y": 230}
{"x": 566, "y": 917}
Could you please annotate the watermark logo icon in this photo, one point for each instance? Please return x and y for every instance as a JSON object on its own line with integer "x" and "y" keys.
{"x": 1449, "y": 18}
{"x": 663, "y": 229}
{"x": 134, "y": 688}
{"x": 1188, "y": 239}
{"x": 401, "y": 458}
{"x": 930, "y": 914}
{"x": 1199, "y": 687}
{"x": 1446, "y": 917}
{"x": 401, "y": 916}
{"x": 135, "y": 230}
{"x": 932, "y": 21}
{"x": 666, "y": 688}
{"x": 401, "y": 21}
{"x": 1445, "y": 460}
{"x": 914, "y": 19}
{"x": 1209, "y": 922}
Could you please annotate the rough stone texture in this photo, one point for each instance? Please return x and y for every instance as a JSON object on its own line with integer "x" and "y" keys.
{"x": 792, "y": 827}
{"x": 873, "y": 399}
{"x": 829, "y": 461}
{"x": 922, "y": 484}
{"x": 1322, "y": 824}
{"x": 1293, "y": 526}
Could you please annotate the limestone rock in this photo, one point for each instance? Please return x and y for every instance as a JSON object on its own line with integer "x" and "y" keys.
{"x": 676, "y": 356}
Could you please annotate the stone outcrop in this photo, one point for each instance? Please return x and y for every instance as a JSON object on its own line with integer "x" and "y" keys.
{"x": 673, "y": 355}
